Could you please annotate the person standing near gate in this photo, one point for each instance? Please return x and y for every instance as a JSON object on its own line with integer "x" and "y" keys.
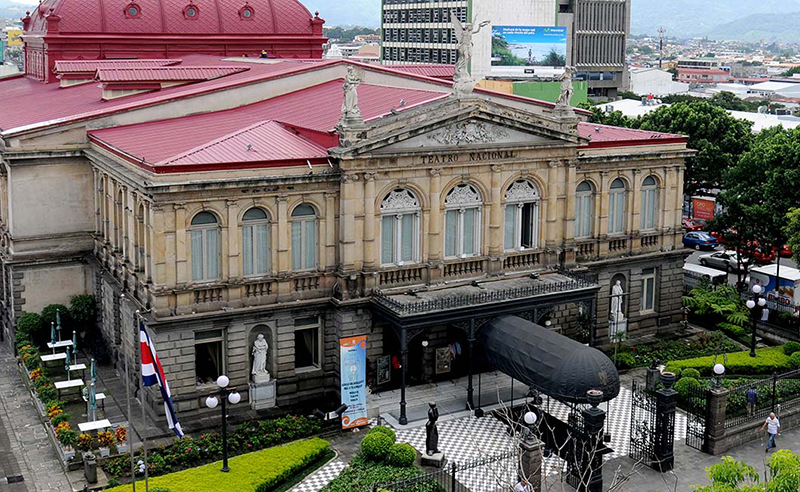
{"x": 773, "y": 427}
{"x": 752, "y": 401}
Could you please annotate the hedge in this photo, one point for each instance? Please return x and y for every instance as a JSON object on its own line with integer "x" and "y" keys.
{"x": 260, "y": 471}
{"x": 362, "y": 474}
{"x": 767, "y": 361}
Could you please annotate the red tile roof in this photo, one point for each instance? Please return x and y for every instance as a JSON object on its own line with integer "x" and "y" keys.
{"x": 612, "y": 136}
{"x": 165, "y": 74}
{"x": 82, "y": 66}
{"x": 317, "y": 109}
{"x": 439, "y": 71}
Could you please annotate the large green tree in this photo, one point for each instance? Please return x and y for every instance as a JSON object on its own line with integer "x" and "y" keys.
{"x": 718, "y": 138}
{"x": 783, "y": 475}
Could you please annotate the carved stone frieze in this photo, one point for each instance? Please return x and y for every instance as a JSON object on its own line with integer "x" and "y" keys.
{"x": 468, "y": 132}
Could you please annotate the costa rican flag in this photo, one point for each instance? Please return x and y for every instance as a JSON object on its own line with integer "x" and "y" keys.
{"x": 153, "y": 373}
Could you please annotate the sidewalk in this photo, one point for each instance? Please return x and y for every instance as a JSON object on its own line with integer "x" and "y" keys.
{"x": 25, "y": 449}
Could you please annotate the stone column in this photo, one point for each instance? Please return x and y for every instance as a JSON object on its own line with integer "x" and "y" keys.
{"x": 284, "y": 260}
{"x": 234, "y": 238}
{"x": 530, "y": 462}
{"x": 591, "y": 461}
{"x": 369, "y": 220}
{"x": 347, "y": 221}
{"x": 435, "y": 237}
{"x": 553, "y": 236}
{"x": 636, "y": 205}
{"x": 569, "y": 219}
{"x": 715, "y": 421}
{"x": 329, "y": 250}
{"x": 496, "y": 212}
{"x": 148, "y": 241}
{"x": 666, "y": 404}
{"x": 603, "y": 211}
{"x": 181, "y": 260}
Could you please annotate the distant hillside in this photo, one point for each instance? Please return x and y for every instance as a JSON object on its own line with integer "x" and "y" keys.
{"x": 696, "y": 18}
{"x": 11, "y": 10}
{"x": 754, "y": 28}
{"x": 346, "y": 13}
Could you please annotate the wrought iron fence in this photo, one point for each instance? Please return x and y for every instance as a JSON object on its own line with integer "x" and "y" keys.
{"x": 643, "y": 425}
{"x": 779, "y": 391}
{"x": 485, "y": 474}
{"x": 695, "y": 401}
{"x": 575, "y": 281}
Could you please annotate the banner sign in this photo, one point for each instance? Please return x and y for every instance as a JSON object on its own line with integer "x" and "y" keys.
{"x": 703, "y": 207}
{"x": 353, "y": 376}
{"x": 528, "y": 46}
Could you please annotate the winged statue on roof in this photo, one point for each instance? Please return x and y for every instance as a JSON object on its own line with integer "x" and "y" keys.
{"x": 463, "y": 82}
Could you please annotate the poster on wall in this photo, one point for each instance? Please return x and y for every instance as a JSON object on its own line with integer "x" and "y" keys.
{"x": 517, "y": 49}
{"x": 353, "y": 376}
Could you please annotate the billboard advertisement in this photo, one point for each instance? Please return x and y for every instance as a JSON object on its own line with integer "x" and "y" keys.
{"x": 520, "y": 48}
{"x": 353, "y": 376}
{"x": 703, "y": 207}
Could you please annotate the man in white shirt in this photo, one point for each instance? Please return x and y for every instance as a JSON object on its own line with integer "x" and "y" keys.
{"x": 773, "y": 427}
{"x": 523, "y": 486}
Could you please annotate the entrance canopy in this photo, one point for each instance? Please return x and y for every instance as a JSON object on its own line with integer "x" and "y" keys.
{"x": 551, "y": 363}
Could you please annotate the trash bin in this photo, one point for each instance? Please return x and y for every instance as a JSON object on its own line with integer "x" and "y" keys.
{"x": 90, "y": 467}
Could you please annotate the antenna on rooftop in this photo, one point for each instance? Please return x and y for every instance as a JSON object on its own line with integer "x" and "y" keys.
{"x": 661, "y": 32}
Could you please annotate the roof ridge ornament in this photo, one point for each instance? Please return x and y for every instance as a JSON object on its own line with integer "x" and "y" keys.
{"x": 463, "y": 83}
{"x": 563, "y": 108}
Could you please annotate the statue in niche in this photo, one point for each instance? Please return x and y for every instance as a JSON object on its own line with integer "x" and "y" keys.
{"x": 260, "y": 348}
{"x": 617, "y": 293}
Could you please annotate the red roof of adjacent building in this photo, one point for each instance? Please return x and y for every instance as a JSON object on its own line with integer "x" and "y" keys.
{"x": 703, "y": 71}
{"x": 83, "y": 66}
{"x": 165, "y": 74}
{"x": 439, "y": 71}
{"x": 613, "y": 136}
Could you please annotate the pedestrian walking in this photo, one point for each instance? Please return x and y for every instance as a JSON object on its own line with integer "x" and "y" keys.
{"x": 523, "y": 486}
{"x": 773, "y": 427}
{"x": 752, "y": 400}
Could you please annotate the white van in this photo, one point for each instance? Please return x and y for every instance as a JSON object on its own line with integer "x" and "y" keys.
{"x": 693, "y": 273}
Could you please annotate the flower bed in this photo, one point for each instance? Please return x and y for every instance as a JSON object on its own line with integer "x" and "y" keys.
{"x": 644, "y": 355}
{"x": 189, "y": 452}
{"x": 767, "y": 361}
{"x": 260, "y": 471}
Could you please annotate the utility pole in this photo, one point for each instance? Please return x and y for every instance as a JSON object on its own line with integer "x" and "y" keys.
{"x": 661, "y": 32}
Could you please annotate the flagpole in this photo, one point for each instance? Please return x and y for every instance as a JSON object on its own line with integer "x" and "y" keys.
{"x": 128, "y": 395}
{"x": 144, "y": 417}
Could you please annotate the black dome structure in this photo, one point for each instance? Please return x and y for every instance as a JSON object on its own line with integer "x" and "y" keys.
{"x": 547, "y": 361}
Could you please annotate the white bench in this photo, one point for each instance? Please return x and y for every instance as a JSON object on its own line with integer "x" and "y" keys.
{"x": 93, "y": 426}
{"x": 77, "y": 367}
{"x": 54, "y": 357}
{"x": 98, "y": 397}
{"x": 61, "y": 344}
{"x": 62, "y": 385}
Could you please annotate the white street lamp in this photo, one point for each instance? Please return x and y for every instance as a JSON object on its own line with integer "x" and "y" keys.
{"x": 225, "y": 395}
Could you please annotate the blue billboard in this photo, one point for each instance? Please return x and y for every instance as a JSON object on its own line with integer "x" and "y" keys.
{"x": 529, "y": 46}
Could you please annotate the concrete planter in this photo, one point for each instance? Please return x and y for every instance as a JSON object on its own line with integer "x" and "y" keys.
{"x": 104, "y": 452}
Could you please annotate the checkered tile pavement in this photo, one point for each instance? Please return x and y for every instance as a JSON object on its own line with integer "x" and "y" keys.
{"x": 321, "y": 477}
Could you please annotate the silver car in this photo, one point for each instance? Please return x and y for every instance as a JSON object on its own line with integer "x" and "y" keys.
{"x": 725, "y": 260}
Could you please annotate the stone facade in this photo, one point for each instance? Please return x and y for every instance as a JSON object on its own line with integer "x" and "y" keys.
{"x": 135, "y": 233}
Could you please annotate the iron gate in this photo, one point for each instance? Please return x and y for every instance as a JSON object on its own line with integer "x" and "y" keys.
{"x": 643, "y": 425}
{"x": 575, "y": 449}
{"x": 695, "y": 402}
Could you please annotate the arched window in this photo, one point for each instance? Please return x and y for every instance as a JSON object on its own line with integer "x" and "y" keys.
{"x": 205, "y": 246}
{"x": 584, "y": 210}
{"x": 400, "y": 213}
{"x": 649, "y": 216}
{"x": 462, "y": 235}
{"x": 304, "y": 237}
{"x": 616, "y": 207}
{"x": 522, "y": 216}
{"x": 255, "y": 242}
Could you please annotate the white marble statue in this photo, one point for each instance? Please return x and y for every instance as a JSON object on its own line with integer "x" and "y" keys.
{"x": 463, "y": 83}
{"x": 350, "y": 112}
{"x": 567, "y": 90}
{"x": 260, "y": 348}
{"x": 617, "y": 293}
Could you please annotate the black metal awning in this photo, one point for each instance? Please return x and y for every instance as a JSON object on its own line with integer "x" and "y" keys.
{"x": 547, "y": 361}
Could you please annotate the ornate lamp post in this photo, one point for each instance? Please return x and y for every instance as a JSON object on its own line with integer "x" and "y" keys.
{"x": 751, "y": 305}
{"x": 719, "y": 371}
{"x": 229, "y": 395}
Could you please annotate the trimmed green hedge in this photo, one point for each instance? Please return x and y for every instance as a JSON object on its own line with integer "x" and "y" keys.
{"x": 376, "y": 446}
{"x": 260, "y": 471}
{"x": 362, "y": 474}
{"x": 766, "y": 361}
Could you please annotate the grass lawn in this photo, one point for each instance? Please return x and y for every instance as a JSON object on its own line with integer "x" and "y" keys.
{"x": 766, "y": 361}
{"x": 269, "y": 467}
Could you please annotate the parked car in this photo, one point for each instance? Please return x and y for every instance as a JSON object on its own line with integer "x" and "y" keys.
{"x": 725, "y": 260}
{"x": 760, "y": 253}
{"x": 689, "y": 225}
{"x": 724, "y": 237}
{"x": 785, "y": 251}
{"x": 699, "y": 240}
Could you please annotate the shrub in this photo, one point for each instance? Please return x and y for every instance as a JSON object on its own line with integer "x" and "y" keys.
{"x": 105, "y": 439}
{"x": 794, "y": 360}
{"x": 675, "y": 370}
{"x": 362, "y": 474}
{"x": 791, "y": 347}
{"x": 83, "y": 310}
{"x": 61, "y": 417}
{"x": 42, "y": 381}
{"x": 85, "y": 442}
{"x": 260, "y": 471}
{"x": 49, "y": 316}
{"x": 625, "y": 361}
{"x": 376, "y": 446}
{"x": 160, "y": 489}
{"x": 691, "y": 373}
{"x": 401, "y": 455}
{"x": 121, "y": 434}
{"x": 383, "y": 430}
{"x": 32, "y": 362}
{"x": 766, "y": 361}
{"x": 685, "y": 385}
{"x": 47, "y": 393}
{"x": 67, "y": 438}
{"x": 28, "y": 325}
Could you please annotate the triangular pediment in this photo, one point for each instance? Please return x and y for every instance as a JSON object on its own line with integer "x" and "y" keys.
{"x": 451, "y": 124}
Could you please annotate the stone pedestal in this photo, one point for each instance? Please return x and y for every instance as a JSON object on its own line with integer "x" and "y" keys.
{"x": 262, "y": 395}
{"x": 617, "y": 329}
{"x": 652, "y": 378}
{"x": 666, "y": 404}
{"x": 592, "y": 461}
{"x": 530, "y": 463}
{"x": 436, "y": 459}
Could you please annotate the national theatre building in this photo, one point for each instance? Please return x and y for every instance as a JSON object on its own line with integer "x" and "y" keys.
{"x": 310, "y": 200}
